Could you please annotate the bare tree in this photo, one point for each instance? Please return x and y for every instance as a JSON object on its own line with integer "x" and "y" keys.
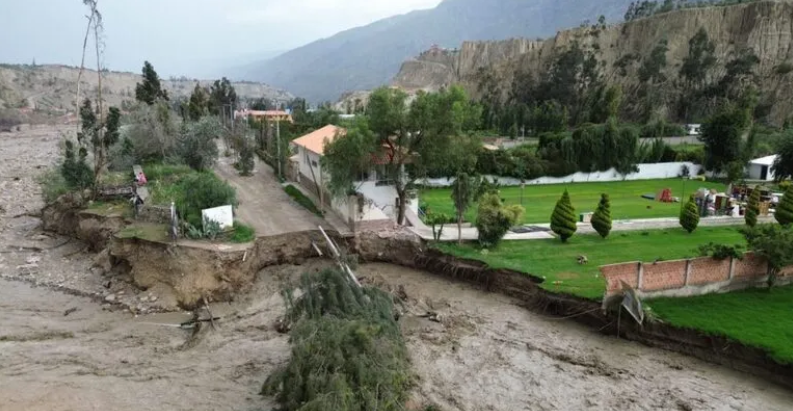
{"x": 90, "y": 18}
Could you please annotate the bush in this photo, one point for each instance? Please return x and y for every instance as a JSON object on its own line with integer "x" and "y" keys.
{"x": 301, "y": 199}
{"x": 783, "y": 68}
{"x": 9, "y": 119}
{"x": 347, "y": 349}
{"x": 75, "y": 169}
{"x": 242, "y": 233}
{"x": 601, "y": 220}
{"x": 689, "y": 216}
{"x": 151, "y": 134}
{"x": 721, "y": 251}
{"x": 210, "y": 230}
{"x": 563, "y": 221}
{"x": 753, "y": 208}
{"x": 53, "y": 185}
{"x": 784, "y": 211}
{"x": 197, "y": 146}
{"x": 493, "y": 219}
{"x": 437, "y": 221}
{"x": 245, "y": 163}
{"x": 199, "y": 191}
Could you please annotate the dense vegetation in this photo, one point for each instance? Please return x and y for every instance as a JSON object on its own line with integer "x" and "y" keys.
{"x": 347, "y": 349}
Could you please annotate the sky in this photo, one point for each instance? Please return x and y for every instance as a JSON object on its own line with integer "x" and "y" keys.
{"x": 195, "y": 38}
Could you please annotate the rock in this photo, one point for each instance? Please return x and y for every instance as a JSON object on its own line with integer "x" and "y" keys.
{"x": 110, "y": 298}
{"x": 102, "y": 261}
{"x": 152, "y": 298}
{"x": 143, "y": 298}
{"x": 33, "y": 260}
{"x": 121, "y": 292}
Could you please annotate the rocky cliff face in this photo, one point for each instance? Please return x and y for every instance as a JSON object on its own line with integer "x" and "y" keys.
{"x": 765, "y": 27}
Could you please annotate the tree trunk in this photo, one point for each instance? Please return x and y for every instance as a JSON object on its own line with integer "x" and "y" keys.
{"x": 402, "y": 193}
{"x": 82, "y": 67}
{"x": 459, "y": 229}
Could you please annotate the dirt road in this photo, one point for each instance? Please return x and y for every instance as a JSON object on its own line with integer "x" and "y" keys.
{"x": 263, "y": 203}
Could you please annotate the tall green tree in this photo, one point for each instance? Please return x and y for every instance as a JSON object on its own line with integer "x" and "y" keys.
{"x": 149, "y": 90}
{"x": 601, "y": 220}
{"x": 563, "y": 221}
{"x": 404, "y": 142}
{"x": 97, "y": 135}
{"x": 722, "y": 135}
{"x": 222, "y": 98}
{"x": 753, "y": 208}
{"x": 700, "y": 60}
{"x": 198, "y": 106}
{"x": 783, "y": 165}
{"x": 464, "y": 189}
{"x": 689, "y": 216}
{"x": 775, "y": 244}
{"x": 784, "y": 210}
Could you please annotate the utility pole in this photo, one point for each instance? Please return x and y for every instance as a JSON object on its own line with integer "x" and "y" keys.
{"x": 278, "y": 144}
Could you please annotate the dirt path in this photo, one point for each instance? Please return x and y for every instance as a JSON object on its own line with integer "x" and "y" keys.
{"x": 263, "y": 203}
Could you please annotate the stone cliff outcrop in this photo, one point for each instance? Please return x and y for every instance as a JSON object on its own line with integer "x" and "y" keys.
{"x": 765, "y": 27}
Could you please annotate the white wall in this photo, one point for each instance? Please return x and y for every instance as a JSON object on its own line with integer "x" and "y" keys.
{"x": 347, "y": 208}
{"x": 305, "y": 160}
{"x": 756, "y": 170}
{"x": 384, "y": 197}
{"x": 646, "y": 172}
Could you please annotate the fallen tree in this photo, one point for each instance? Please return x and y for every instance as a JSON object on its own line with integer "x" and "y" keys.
{"x": 347, "y": 349}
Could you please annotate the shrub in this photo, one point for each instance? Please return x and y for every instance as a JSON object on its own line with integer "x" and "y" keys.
{"x": 242, "y": 233}
{"x": 783, "y": 68}
{"x": 689, "y": 216}
{"x": 437, "y": 221}
{"x": 721, "y": 251}
{"x": 563, "y": 218}
{"x": 301, "y": 199}
{"x": 601, "y": 220}
{"x": 210, "y": 229}
{"x": 199, "y": 191}
{"x": 493, "y": 219}
{"x": 753, "y": 208}
{"x": 774, "y": 243}
{"x": 347, "y": 349}
{"x": 784, "y": 211}
{"x": 53, "y": 185}
{"x": 75, "y": 169}
{"x": 246, "y": 163}
{"x": 197, "y": 146}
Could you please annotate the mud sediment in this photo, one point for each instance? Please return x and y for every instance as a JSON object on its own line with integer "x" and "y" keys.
{"x": 193, "y": 271}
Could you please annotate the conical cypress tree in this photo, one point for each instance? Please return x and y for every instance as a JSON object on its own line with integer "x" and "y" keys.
{"x": 601, "y": 220}
{"x": 784, "y": 211}
{"x": 563, "y": 218}
{"x": 689, "y": 217}
{"x": 753, "y": 208}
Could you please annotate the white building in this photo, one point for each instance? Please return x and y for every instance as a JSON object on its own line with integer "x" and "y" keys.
{"x": 693, "y": 129}
{"x": 761, "y": 168}
{"x": 375, "y": 204}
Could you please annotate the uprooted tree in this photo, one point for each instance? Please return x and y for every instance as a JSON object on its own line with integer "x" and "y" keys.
{"x": 404, "y": 142}
{"x": 347, "y": 349}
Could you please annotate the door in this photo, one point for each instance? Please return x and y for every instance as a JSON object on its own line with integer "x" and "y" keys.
{"x": 764, "y": 173}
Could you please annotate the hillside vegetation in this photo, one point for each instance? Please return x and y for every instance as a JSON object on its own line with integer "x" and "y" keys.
{"x": 52, "y": 88}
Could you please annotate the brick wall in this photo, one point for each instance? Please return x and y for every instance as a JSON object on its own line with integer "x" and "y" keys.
{"x": 628, "y": 272}
{"x": 689, "y": 277}
{"x": 665, "y": 275}
{"x": 707, "y": 271}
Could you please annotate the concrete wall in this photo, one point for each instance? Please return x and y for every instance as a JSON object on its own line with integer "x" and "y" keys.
{"x": 755, "y": 171}
{"x": 384, "y": 197}
{"x": 646, "y": 172}
{"x": 689, "y": 277}
{"x": 306, "y": 162}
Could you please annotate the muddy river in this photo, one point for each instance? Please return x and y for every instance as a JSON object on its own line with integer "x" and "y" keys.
{"x": 61, "y": 352}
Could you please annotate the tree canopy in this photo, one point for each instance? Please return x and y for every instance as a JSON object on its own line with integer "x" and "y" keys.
{"x": 404, "y": 141}
{"x": 222, "y": 97}
{"x": 149, "y": 90}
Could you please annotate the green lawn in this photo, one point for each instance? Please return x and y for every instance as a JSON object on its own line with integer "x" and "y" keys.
{"x": 757, "y": 317}
{"x": 556, "y": 262}
{"x": 626, "y": 200}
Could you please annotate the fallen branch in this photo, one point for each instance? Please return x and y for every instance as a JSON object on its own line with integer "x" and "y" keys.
{"x": 211, "y": 317}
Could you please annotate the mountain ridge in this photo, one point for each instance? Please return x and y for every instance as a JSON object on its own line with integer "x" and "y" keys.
{"x": 368, "y": 56}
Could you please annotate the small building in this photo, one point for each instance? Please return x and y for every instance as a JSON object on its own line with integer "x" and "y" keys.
{"x": 373, "y": 205}
{"x": 693, "y": 129}
{"x": 761, "y": 168}
{"x": 267, "y": 115}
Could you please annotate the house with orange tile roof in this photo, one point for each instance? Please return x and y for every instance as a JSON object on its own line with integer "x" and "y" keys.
{"x": 376, "y": 195}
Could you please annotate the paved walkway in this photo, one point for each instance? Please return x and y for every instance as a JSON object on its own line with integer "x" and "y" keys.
{"x": 470, "y": 233}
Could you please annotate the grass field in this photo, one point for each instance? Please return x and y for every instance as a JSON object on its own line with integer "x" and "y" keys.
{"x": 757, "y": 317}
{"x": 540, "y": 200}
{"x": 556, "y": 262}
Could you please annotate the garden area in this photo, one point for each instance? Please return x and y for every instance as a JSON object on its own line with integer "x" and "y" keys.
{"x": 557, "y": 263}
{"x": 539, "y": 200}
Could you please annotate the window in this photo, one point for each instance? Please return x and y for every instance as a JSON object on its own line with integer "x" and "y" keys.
{"x": 313, "y": 163}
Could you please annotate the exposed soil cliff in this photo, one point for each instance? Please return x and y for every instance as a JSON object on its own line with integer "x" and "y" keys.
{"x": 765, "y": 27}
